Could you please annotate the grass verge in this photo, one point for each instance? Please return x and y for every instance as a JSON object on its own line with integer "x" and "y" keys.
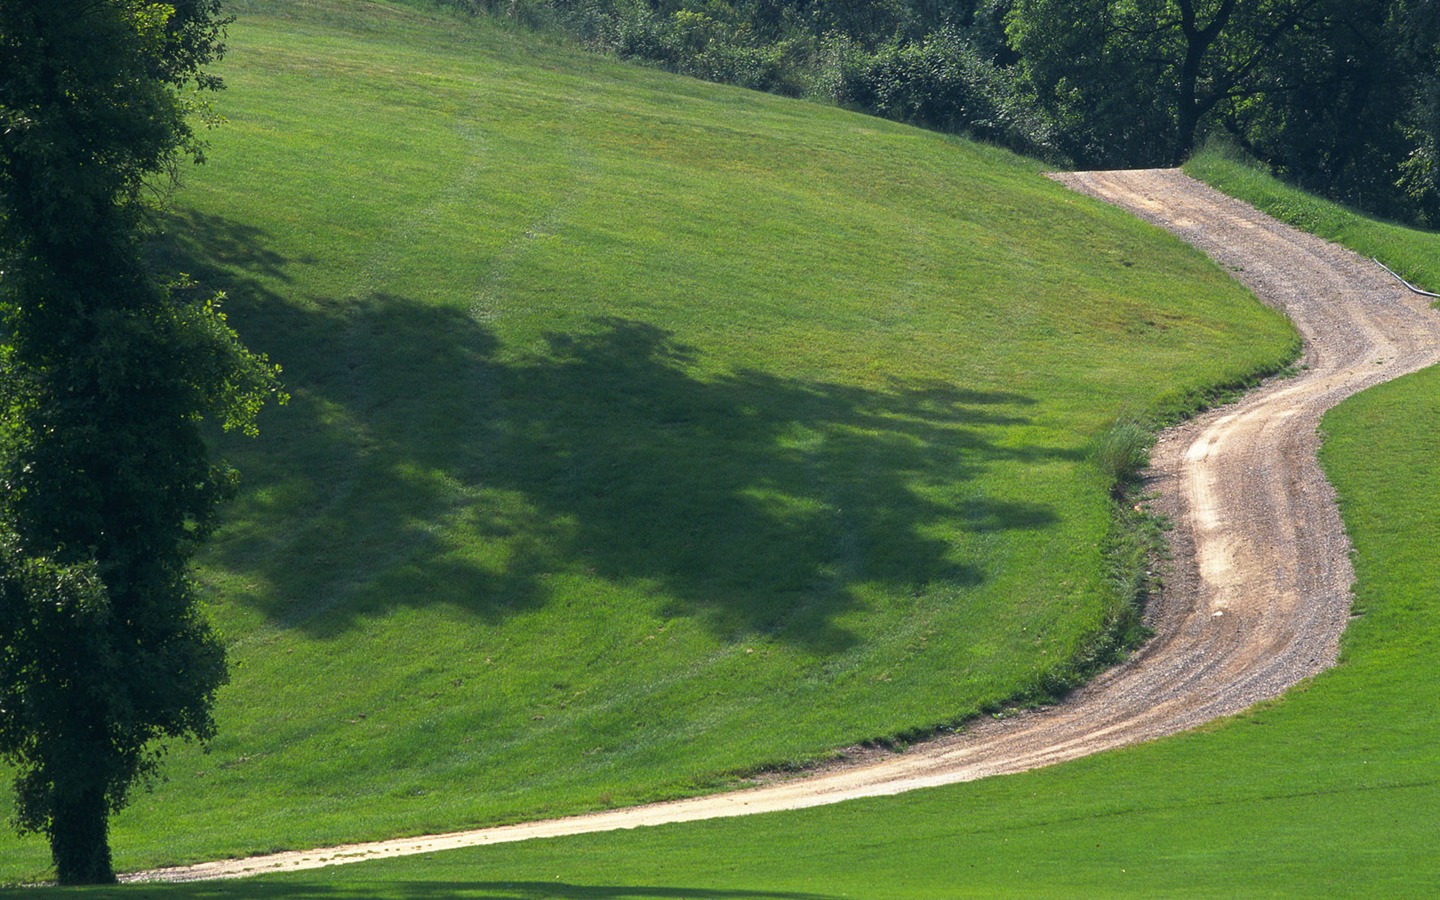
{"x": 1414, "y": 253}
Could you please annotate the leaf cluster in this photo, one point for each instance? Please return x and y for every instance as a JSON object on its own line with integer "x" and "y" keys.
{"x": 70, "y": 719}
{"x": 94, "y": 100}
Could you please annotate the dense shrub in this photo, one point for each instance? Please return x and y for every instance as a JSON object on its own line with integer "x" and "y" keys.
{"x": 941, "y": 82}
{"x": 698, "y": 44}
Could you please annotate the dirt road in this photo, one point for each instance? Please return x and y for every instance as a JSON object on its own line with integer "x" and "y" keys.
{"x": 1260, "y": 587}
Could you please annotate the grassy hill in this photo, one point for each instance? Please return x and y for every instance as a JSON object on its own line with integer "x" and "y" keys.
{"x": 644, "y": 433}
{"x": 1331, "y": 792}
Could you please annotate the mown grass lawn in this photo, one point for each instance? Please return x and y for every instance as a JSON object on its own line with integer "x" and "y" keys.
{"x": 644, "y": 433}
{"x": 1332, "y": 791}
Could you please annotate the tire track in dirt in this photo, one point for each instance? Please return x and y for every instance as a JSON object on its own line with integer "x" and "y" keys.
{"x": 1257, "y": 594}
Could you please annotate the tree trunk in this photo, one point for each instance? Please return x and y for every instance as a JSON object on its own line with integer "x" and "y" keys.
{"x": 1188, "y": 122}
{"x": 1198, "y": 40}
{"x": 80, "y": 839}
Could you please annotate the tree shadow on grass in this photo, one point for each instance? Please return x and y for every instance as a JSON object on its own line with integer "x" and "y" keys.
{"x": 422, "y": 462}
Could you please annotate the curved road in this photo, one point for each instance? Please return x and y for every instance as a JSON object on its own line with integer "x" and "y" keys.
{"x": 1259, "y": 589}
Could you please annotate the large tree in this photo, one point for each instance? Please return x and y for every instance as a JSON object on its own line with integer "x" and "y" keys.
{"x": 1340, "y": 96}
{"x": 1342, "y": 110}
{"x": 1415, "y": 25}
{"x": 106, "y": 482}
{"x": 1131, "y": 81}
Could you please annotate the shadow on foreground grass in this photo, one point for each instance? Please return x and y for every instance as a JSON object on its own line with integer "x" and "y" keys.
{"x": 428, "y": 464}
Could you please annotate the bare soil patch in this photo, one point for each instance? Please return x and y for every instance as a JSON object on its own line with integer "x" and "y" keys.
{"x": 1259, "y": 588}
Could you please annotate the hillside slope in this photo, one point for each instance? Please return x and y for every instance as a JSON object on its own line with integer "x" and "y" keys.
{"x": 1328, "y": 793}
{"x": 644, "y": 432}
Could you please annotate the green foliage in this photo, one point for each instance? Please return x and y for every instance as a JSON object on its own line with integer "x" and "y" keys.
{"x": 1415, "y": 26}
{"x": 763, "y": 49}
{"x": 929, "y": 64}
{"x": 1110, "y": 97}
{"x": 1338, "y": 95}
{"x": 107, "y": 483}
{"x": 941, "y": 82}
{"x": 1132, "y": 83}
{"x": 693, "y": 42}
{"x": 1348, "y": 109}
{"x": 91, "y": 107}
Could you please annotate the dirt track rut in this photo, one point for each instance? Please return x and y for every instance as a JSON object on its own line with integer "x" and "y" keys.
{"x": 1259, "y": 589}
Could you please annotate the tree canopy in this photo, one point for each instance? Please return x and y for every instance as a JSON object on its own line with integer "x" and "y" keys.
{"x": 1137, "y": 78}
{"x": 1329, "y": 91}
{"x": 106, "y": 483}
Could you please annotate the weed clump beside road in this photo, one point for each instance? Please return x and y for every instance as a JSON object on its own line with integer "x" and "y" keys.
{"x": 1122, "y": 453}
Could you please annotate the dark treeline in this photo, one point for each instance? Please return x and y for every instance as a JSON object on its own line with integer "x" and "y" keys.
{"x": 1339, "y": 96}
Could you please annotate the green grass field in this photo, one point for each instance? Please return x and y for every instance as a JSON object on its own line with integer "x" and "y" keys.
{"x": 1331, "y": 792}
{"x": 645, "y": 432}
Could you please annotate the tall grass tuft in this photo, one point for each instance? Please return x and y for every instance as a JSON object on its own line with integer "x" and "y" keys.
{"x": 1123, "y": 452}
